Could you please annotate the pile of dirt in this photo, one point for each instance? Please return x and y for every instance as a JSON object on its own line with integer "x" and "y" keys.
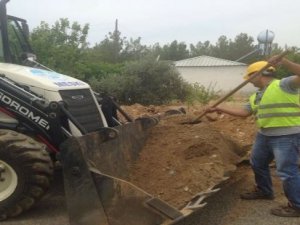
{"x": 179, "y": 161}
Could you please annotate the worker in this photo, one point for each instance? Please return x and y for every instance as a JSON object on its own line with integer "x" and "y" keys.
{"x": 276, "y": 108}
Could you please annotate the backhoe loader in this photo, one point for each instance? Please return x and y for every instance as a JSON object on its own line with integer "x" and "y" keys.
{"x": 44, "y": 116}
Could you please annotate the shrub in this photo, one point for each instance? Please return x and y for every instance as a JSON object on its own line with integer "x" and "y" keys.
{"x": 146, "y": 81}
{"x": 200, "y": 93}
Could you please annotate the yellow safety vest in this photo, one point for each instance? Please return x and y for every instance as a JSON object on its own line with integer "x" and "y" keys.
{"x": 276, "y": 108}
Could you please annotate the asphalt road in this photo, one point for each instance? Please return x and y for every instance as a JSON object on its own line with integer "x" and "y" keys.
{"x": 226, "y": 207}
{"x": 223, "y": 208}
{"x": 51, "y": 210}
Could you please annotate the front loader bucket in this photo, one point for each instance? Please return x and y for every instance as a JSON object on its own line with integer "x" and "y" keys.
{"x": 115, "y": 156}
{"x": 95, "y": 166}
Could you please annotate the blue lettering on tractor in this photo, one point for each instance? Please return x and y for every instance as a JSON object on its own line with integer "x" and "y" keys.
{"x": 70, "y": 83}
{"x": 57, "y": 78}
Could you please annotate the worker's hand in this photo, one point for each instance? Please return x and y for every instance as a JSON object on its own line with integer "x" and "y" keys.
{"x": 275, "y": 60}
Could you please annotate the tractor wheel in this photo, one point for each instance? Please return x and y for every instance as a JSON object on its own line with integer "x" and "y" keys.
{"x": 25, "y": 172}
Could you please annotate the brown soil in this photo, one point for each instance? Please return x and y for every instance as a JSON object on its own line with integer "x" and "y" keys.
{"x": 179, "y": 161}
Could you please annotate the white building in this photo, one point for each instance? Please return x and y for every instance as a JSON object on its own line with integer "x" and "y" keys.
{"x": 221, "y": 74}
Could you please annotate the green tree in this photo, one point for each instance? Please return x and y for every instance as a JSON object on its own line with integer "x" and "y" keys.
{"x": 221, "y": 49}
{"x": 146, "y": 81}
{"x": 62, "y": 46}
{"x": 173, "y": 51}
{"x": 226, "y": 48}
{"x": 200, "y": 48}
{"x": 293, "y": 55}
{"x": 134, "y": 50}
{"x": 155, "y": 50}
{"x": 109, "y": 50}
{"x": 241, "y": 46}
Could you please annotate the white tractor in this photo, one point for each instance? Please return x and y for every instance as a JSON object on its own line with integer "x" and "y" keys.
{"x": 45, "y": 116}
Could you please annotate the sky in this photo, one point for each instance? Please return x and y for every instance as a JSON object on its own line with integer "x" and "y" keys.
{"x": 163, "y": 21}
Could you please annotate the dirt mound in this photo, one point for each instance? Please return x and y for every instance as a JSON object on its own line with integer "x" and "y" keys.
{"x": 178, "y": 161}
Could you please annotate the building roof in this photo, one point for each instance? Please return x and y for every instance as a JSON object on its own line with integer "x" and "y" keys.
{"x": 203, "y": 61}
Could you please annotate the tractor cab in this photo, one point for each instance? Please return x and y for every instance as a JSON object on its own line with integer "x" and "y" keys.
{"x": 14, "y": 33}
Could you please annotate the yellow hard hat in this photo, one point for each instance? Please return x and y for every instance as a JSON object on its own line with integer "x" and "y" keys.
{"x": 254, "y": 67}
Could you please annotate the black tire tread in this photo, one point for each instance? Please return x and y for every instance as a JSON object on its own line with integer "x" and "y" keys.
{"x": 39, "y": 170}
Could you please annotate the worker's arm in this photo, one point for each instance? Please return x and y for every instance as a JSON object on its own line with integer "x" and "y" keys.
{"x": 240, "y": 112}
{"x": 291, "y": 66}
{"x": 295, "y": 69}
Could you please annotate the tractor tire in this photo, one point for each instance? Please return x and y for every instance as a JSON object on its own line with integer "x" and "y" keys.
{"x": 25, "y": 173}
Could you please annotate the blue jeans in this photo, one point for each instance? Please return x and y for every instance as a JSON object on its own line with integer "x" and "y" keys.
{"x": 285, "y": 150}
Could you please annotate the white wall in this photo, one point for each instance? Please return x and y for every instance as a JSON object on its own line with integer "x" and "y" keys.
{"x": 223, "y": 78}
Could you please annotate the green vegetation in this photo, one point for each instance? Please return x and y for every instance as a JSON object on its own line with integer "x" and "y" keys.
{"x": 202, "y": 94}
{"x": 129, "y": 70}
{"x": 145, "y": 81}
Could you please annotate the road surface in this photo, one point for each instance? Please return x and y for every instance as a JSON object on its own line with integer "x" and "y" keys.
{"x": 224, "y": 208}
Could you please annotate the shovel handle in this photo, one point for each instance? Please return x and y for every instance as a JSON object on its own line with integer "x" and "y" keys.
{"x": 256, "y": 74}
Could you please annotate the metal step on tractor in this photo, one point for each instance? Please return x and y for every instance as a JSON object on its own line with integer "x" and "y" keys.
{"x": 45, "y": 116}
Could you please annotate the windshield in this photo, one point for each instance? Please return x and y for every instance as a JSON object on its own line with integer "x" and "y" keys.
{"x": 17, "y": 40}
{"x": 1, "y": 49}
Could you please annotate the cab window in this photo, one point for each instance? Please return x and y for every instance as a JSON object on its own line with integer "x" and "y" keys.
{"x": 1, "y": 49}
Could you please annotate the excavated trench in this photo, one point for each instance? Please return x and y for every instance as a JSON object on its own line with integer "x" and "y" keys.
{"x": 179, "y": 161}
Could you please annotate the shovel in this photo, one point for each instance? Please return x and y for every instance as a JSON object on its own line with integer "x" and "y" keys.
{"x": 256, "y": 74}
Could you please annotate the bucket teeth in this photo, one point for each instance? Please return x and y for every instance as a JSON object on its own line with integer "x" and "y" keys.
{"x": 196, "y": 202}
